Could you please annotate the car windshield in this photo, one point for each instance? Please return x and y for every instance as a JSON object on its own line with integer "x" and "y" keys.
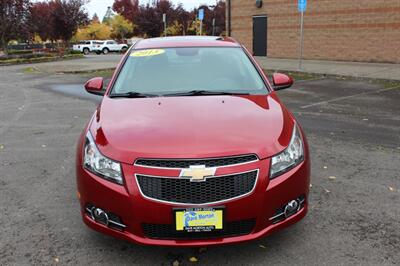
{"x": 181, "y": 70}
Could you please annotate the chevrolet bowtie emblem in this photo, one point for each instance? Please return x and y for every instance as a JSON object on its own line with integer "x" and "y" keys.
{"x": 198, "y": 173}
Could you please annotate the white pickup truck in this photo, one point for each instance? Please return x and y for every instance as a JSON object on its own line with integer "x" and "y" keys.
{"x": 110, "y": 46}
{"x": 87, "y": 46}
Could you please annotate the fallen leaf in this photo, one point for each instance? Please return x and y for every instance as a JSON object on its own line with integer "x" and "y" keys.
{"x": 365, "y": 119}
{"x": 175, "y": 263}
{"x": 332, "y": 177}
{"x": 310, "y": 185}
{"x": 44, "y": 146}
{"x": 327, "y": 191}
{"x": 262, "y": 246}
{"x": 1, "y": 146}
{"x": 391, "y": 189}
{"x": 325, "y": 167}
{"x": 193, "y": 259}
{"x": 56, "y": 259}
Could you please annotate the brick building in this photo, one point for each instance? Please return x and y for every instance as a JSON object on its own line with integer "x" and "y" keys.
{"x": 346, "y": 30}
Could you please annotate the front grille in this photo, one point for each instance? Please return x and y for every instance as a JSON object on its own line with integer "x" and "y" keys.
{"x": 214, "y": 162}
{"x": 182, "y": 190}
{"x": 167, "y": 231}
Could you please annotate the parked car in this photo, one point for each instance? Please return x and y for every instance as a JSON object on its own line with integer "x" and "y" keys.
{"x": 87, "y": 47}
{"x": 191, "y": 146}
{"x": 111, "y": 46}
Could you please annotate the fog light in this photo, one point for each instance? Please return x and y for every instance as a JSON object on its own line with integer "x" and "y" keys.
{"x": 100, "y": 216}
{"x": 291, "y": 208}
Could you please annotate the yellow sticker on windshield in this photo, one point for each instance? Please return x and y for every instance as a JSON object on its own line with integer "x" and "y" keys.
{"x": 147, "y": 52}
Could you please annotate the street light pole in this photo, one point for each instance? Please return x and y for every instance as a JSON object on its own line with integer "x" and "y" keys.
{"x": 165, "y": 24}
{"x": 213, "y": 25}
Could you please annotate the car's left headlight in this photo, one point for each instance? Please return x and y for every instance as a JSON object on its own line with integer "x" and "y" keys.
{"x": 100, "y": 165}
{"x": 290, "y": 157}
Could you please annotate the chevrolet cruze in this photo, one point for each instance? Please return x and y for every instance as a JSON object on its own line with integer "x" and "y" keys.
{"x": 191, "y": 146}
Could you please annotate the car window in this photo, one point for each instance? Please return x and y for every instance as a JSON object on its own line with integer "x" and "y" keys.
{"x": 110, "y": 42}
{"x": 171, "y": 70}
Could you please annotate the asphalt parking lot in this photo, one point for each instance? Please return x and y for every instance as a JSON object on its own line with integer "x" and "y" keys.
{"x": 353, "y": 129}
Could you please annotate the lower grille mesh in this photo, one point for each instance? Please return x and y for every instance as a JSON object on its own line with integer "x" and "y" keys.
{"x": 182, "y": 190}
{"x": 167, "y": 231}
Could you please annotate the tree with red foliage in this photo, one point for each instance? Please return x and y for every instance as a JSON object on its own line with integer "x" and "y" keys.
{"x": 41, "y": 20}
{"x": 14, "y": 16}
{"x": 211, "y": 12}
{"x": 184, "y": 18}
{"x": 149, "y": 18}
{"x": 126, "y": 8}
{"x": 67, "y": 16}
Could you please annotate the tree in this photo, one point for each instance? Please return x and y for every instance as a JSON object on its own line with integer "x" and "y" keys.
{"x": 93, "y": 31}
{"x": 149, "y": 18}
{"x": 219, "y": 12}
{"x": 68, "y": 15}
{"x": 174, "y": 29}
{"x": 120, "y": 27}
{"x": 211, "y": 12}
{"x": 127, "y": 8}
{"x": 184, "y": 18}
{"x": 14, "y": 16}
{"x": 95, "y": 18}
{"x": 41, "y": 20}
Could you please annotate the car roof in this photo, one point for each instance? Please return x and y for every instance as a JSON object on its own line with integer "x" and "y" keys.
{"x": 186, "y": 41}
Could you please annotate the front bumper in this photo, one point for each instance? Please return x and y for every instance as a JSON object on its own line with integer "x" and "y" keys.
{"x": 134, "y": 210}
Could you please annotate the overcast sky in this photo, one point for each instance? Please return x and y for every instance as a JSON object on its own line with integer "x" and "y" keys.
{"x": 100, "y": 6}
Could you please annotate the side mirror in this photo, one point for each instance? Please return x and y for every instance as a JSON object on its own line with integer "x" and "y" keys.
{"x": 95, "y": 86}
{"x": 281, "y": 81}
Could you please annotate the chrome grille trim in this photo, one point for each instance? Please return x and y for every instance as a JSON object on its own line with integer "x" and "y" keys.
{"x": 196, "y": 159}
{"x": 201, "y": 204}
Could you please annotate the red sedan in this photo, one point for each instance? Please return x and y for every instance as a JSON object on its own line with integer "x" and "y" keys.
{"x": 191, "y": 146}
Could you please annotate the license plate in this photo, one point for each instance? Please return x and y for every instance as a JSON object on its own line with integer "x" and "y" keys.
{"x": 199, "y": 220}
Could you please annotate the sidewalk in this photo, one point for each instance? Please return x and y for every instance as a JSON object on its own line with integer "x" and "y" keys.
{"x": 353, "y": 69}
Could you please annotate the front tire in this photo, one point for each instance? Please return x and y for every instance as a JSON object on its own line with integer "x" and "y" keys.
{"x": 124, "y": 49}
{"x": 86, "y": 51}
{"x": 106, "y": 51}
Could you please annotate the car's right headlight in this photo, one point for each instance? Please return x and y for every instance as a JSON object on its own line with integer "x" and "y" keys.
{"x": 292, "y": 156}
{"x": 100, "y": 165}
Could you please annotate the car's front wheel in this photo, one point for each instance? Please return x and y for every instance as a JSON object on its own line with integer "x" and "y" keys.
{"x": 86, "y": 51}
{"x": 106, "y": 51}
{"x": 124, "y": 49}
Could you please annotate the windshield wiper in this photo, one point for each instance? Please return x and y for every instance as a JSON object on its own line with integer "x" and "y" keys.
{"x": 132, "y": 94}
{"x": 204, "y": 92}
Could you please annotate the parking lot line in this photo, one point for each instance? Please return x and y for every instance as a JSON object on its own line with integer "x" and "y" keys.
{"x": 347, "y": 97}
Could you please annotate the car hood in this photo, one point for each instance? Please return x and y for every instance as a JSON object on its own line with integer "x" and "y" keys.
{"x": 191, "y": 127}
